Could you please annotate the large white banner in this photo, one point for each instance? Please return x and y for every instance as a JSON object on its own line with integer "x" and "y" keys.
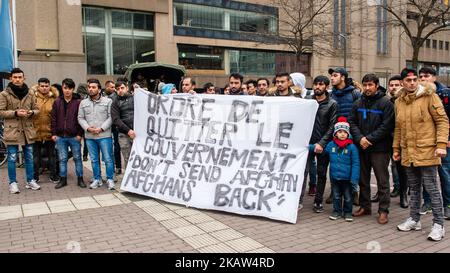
{"x": 241, "y": 154}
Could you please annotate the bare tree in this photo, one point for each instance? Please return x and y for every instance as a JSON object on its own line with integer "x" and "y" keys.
{"x": 419, "y": 20}
{"x": 303, "y": 25}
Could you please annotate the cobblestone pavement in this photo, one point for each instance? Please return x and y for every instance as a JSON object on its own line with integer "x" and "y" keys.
{"x": 82, "y": 220}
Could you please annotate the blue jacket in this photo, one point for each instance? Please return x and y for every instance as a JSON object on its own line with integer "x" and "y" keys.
{"x": 345, "y": 99}
{"x": 444, "y": 93}
{"x": 344, "y": 163}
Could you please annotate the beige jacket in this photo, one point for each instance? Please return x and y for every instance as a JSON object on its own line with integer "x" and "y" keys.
{"x": 421, "y": 126}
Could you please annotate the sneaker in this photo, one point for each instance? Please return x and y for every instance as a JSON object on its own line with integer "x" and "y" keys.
{"x": 111, "y": 184}
{"x": 426, "y": 208}
{"x": 335, "y": 216}
{"x": 348, "y": 217}
{"x": 409, "y": 225}
{"x": 54, "y": 179}
{"x": 300, "y": 206}
{"x": 437, "y": 233}
{"x": 32, "y": 185}
{"x": 14, "y": 188}
{"x": 318, "y": 207}
{"x": 95, "y": 184}
{"x": 312, "y": 190}
{"x": 447, "y": 212}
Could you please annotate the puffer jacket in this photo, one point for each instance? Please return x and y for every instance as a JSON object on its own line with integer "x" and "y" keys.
{"x": 344, "y": 163}
{"x": 324, "y": 124}
{"x": 43, "y": 121}
{"x": 421, "y": 127}
{"x": 122, "y": 112}
{"x": 345, "y": 99}
{"x": 18, "y": 131}
{"x": 373, "y": 118}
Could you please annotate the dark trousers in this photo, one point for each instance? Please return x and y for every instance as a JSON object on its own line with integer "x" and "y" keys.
{"x": 117, "y": 159}
{"x": 85, "y": 149}
{"x": 379, "y": 161}
{"x": 322, "y": 166}
{"x": 41, "y": 150}
{"x": 403, "y": 180}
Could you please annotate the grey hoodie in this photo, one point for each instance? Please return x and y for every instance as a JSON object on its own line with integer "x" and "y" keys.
{"x": 95, "y": 114}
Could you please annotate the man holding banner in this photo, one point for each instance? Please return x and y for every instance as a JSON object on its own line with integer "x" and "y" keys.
{"x": 241, "y": 154}
{"x": 122, "y": 112}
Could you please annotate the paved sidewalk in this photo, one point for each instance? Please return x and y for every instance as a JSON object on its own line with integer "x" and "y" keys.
{"x": 82, "y": 220}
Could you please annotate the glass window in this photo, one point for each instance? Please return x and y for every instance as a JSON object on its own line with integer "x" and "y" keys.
{"x": 199, "y": 16}
{"x": 251, "y": 22}
{"x": 447, "y": 45}
{"x": 143, "y": 21}
{"x": 189, "y": 15}
{"x": 201, "y": 57}
{"x": 441, "y": 45}
{"x": 144, "y": 50}
{"x": 122, "y": 54}
{"x": 252, "y": 62}
{"x": 111, "y": 50}
{"x": 382, "y": 28}
{"x": 428, "y": 43}
{"x": 434, "y": 44}
{"x": 95, "y": 53}
{"x": 121, "y": 19}
{"x": 94, "y": 17}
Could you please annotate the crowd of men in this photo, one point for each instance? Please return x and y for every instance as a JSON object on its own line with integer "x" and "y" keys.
{"x": 358, "y": 128}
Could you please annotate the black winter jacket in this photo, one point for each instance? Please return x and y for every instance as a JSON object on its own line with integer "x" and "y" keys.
{"x": 325, "y": 119}
{"x": 374, "y": 118}
{"x": 122, "y": 113}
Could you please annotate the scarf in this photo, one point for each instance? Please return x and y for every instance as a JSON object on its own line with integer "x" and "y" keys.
{"x": 20, "y": 92}
{"x": 342, "y": 143}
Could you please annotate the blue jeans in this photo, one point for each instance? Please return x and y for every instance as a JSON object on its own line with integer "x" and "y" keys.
{"x": 106, "y": 146}
{"x": 63, "y": 144}
{"x": 12, "y": 158}
{"x": 444, "y": 175}
{"x": 342, "y": 188}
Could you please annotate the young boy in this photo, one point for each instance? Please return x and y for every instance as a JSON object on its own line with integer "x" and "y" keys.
{"x": 344, "y": 169}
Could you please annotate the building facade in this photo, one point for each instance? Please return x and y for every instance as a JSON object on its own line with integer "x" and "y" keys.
{"x": 101, "y": 38}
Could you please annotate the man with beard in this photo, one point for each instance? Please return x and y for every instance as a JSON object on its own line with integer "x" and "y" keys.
{"x": 283, "y": 84}
{"x": 322, "y": 134}
{"x": 397, "y": 170}
{"x": 235, "y": 82}
{"x": 371, "y": 125}
{"x": 94, "y": 116}
{"x": 18, "y": 107}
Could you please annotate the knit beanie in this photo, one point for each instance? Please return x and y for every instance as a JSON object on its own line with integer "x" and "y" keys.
{"x": 342, "y": 124}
